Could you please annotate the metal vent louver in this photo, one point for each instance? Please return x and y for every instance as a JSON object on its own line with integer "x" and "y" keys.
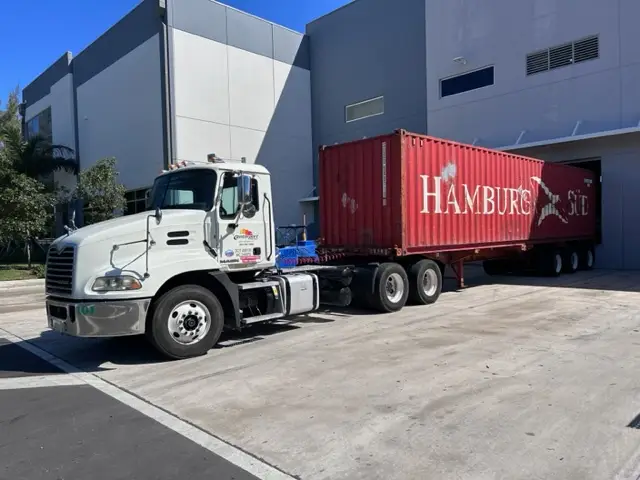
{"x": 586, "y": 49}
{"x": 563, "y": 55}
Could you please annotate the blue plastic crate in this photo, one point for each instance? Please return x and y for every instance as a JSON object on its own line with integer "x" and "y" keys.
{"x": 306, "y": 248}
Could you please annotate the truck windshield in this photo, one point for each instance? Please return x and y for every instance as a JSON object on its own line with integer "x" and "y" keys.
{"x": 186, "y": 189}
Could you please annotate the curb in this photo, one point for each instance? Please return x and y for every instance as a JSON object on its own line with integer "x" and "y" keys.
{"x": 21, "y": 283}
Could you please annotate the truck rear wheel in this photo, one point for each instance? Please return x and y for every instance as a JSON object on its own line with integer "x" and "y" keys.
{"x": 186, "y": 322}
{"x": 425, "y": 282}
{"x": 390, "y": 288}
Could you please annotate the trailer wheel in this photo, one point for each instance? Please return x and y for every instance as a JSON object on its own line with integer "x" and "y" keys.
{"x": 425, "y": 282}
{"x": 185, "y": 322}
{"x": 587, "y": 258}
{"x": 570, "y": 261}
{"x": 390, "y": 288}
{"x": 552, "y": 264}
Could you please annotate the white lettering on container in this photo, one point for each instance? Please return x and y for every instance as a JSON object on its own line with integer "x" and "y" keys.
{"x": 489, "y": 200}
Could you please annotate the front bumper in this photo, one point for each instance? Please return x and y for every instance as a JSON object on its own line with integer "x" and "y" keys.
{"x": 115, "y": 318}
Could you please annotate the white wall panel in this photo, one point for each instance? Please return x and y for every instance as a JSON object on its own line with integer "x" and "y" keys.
{"x": 251, "y": 90}
{"x": 120, "y": 115}
{"x": 196, "y": 138}
{"x": 201, "y": 78}
{"x": 63, "y": 123}
{"x": 236, "y": 104}
{"x": 246, "y": 142}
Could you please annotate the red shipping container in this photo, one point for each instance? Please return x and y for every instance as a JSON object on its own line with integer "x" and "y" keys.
{"x": 420, "y": 194}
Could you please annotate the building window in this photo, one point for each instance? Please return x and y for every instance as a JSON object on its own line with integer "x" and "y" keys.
{"x": 136, "y": 201}
{"x": 582, "y": 50}
{"x": 41, "y": 125}
{"x": 466, "y": 82}
{"x": 365, "y": 109}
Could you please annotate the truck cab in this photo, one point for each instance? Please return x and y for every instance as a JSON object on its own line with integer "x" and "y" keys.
{"x": 201, "y": 259}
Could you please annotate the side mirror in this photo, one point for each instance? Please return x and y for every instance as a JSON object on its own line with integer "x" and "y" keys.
{"x": 158, "y": 214}
{"x": 244, "y": 190}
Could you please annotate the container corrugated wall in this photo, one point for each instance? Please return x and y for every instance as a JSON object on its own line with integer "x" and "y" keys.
{"x": 361, "y": 193}
{"x": 426, "y": 194}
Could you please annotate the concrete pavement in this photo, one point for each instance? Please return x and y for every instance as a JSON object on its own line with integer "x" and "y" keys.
{"x": 516, "y": 378}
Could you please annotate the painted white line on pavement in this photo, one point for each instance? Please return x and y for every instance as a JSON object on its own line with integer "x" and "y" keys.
{"x": 39, "y": 381}
{"x": 232, "y": 454}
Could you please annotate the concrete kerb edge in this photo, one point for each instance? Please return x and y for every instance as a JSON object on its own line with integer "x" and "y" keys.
{"x": 21, "y": 283}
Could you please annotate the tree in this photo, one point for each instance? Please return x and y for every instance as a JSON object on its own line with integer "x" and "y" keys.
{"x": 25, "y": 204}
{"x": 10, "y": 116}
{"x": 100, "y": 191}
{"x": 35, "y": 157}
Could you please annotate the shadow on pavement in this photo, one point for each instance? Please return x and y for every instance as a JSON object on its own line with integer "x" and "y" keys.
{"x": 98, "y": 355}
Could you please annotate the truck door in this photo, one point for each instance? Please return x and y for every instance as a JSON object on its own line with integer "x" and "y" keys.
{"x": 242, "y": 229}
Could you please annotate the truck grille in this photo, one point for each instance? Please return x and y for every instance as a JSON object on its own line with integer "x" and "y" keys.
{"x": 59, "y": 273}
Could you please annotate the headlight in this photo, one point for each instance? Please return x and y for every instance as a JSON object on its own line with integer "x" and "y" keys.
{"x": 116, "y": 284}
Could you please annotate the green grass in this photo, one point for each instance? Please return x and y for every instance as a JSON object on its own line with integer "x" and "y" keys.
{"x": 21, "y": 272}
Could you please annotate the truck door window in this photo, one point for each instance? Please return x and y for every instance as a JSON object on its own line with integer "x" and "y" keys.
{"x": 229, "y": 197}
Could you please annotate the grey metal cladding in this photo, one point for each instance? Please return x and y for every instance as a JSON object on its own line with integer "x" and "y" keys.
{"x": 135, "y": 28}
{"x": 39, "y": 88}
{"x": 229, "y": 26}
{"x": 291, "y": 47}
{"x": 249, "y": 33}
{"x": 200, "y": 17}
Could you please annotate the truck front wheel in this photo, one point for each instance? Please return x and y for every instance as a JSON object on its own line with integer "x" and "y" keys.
{"x": 185, "y": 322}
{"x": 390, "y": 288}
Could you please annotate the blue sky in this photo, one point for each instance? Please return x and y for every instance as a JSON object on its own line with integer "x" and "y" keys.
{"x": 55, "y": 26}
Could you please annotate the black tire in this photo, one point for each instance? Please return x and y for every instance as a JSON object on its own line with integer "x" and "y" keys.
{"x": 570, "y": 260}
{"x": 587, "y": 257}
{"x": 417, "y": 273}
{"x": 157, "y": 329}
{"x": 386, "y": 274}
{"x": 551, "y": 263}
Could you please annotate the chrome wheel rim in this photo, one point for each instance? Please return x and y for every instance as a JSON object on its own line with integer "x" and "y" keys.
{"x": 189, "y": 322}
{"x": 394, "y": 287}
{"x": 430, "y": 282}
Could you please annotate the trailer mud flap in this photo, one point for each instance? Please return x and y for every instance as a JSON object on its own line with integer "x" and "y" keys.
{"x": 362, "y": 285}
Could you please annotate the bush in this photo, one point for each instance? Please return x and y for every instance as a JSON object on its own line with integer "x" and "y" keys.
{"x": 38, "y": 271}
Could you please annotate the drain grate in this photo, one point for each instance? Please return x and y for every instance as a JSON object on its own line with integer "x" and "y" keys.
{"x": 635, "y": 423}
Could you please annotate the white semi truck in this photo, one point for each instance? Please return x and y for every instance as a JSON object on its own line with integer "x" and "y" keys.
{"x": 201, "y": 260}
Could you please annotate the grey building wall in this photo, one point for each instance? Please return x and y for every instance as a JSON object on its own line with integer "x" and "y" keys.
{"x": 600, "y": 93}
{"x": 363, "y": 50}
{"x": 116, "y": 96}
{"x": 175, "y": 80}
